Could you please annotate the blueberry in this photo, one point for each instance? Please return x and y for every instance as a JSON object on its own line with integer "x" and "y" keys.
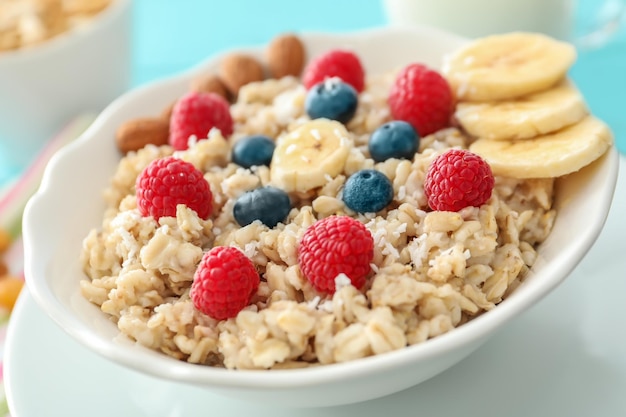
{"x": 270, "y": 205}
{"x": 367, "y": 191}
{"x": 395, "y": 139}
{"x": 331, "y": 99}
{"x": 253, "y": 150}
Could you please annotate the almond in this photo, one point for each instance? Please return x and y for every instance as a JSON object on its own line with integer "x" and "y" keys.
{"x": 166, "y": 114}
{"x": 237, "y": 70}
{"x": 285, "y": 56}
{"x": 209, "y": 83}
{"x": 135, "y": 134}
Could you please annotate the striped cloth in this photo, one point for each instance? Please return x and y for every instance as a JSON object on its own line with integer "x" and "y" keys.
{"x": 13, "y": 198}
{"x": 14, "y": 258}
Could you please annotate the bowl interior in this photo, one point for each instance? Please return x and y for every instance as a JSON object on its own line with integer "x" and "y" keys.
{"x": 69, "y": 204}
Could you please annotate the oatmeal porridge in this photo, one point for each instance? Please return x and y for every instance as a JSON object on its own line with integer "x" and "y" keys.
{"x": 430, "y": 270}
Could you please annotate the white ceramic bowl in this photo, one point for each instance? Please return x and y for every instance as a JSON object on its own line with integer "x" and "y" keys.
{"x": 44, "y": 87}
{"x": 69, "y": 204}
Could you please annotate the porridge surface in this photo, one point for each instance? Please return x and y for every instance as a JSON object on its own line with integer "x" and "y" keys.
{"x": 431, "y": 271}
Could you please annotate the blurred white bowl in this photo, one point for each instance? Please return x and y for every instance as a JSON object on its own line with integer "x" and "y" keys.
{"x": 44, "y": 86}
{"x": 69, "y": 204}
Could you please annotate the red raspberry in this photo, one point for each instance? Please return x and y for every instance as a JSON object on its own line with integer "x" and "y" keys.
{"x": 224, "y": 282}
{"x": 169, "y": 181}
{"x": 334, "y": 245}
{"x": 421, "y": 97}
{"x": 196, "y": 114}
{"x": 336, "y": 63}
{"x": 457, "y": 179}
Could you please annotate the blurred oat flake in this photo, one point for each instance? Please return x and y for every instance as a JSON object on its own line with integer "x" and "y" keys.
{"x": 25, "y": 23}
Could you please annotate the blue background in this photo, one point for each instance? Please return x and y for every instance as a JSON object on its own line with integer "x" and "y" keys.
{"x": 170, "y": 36}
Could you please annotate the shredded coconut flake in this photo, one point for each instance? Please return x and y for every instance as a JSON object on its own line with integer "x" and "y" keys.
{"x": 439, "y": 145}
{"x": 401, "y": 192}
{"x": 225, "y": 187}
{"x": 314, "y": 303}
{"x": 250, "y": 248}
{"x": 366, "y": 98}
{"x": 252, "y": 307}
{"x": 316, "y": 134}
{"x": 125, "y": 217}
{"x": 214, "y": 132}
{"x": 326, "y": 306}
{"x": 284, "y": 109}
{"x": 447, "y": 252}
{"x": 418, "y": 251}
{"x": 391, "y": 251}
{"x": 401, "y": 228}
{"x": 329, "y": 83}
{"x": 130, "y": 244}
{"x": 341, "y": 281}
{"x": 291, "y": 148}
{"x": 191, "y": 142}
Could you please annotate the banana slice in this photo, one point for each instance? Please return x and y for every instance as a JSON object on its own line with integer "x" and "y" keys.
{"x": 501, "y": 67}
{"x": 526, "y": 117}
{"x": 305, "y": 157}
{"x": 547, "y": 156}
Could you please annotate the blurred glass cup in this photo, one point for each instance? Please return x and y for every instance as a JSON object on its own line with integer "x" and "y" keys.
{"x": 476, "y": 18}
{"x": 43, "y": 87}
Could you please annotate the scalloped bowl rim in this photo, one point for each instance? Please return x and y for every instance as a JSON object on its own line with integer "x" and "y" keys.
{"x": 472, "y": 333}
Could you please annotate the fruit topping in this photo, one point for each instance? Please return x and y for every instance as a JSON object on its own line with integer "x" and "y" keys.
{"x": 457, "y": 179}
{"x": 396, "y": 139}
{"x": 421, "y": 97}
{"x": 270, "y": 205}
{"x": 307, "y": 156}
{"x": 547, "y": 156}
{"x": 332, "y": 99}
{"x": 526, "y": 117}
{"x": 167, "y": 182}
{"x": 196, "y": 114}
{"x": 253, "y": 150}
{"x": 367, "y": 191}
{"x": 506, "y": 66}
{"x": 332, "y": 246}
{"x": 335, "y": 63}
{"x": 224, "y": 282}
